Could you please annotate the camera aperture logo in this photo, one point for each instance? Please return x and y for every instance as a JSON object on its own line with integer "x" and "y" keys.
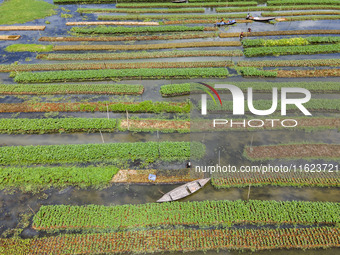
{"x": 238, "y": 106}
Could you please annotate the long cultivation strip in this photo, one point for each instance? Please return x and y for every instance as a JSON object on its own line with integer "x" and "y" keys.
{"x": 319, "y": 17}
{"x": 28, "y": 178}
{"x": 151, "y": 125}
{"x": 295, "y": 41}
{"x": 295, "y": 179}
{"x": 67, "y": 125}
{"x": 109, "y": 152}
{"x": 274, "y": 33}
{"x": 328, "y": 105}
{"x": 129, "y": 38}
{"x": 282, "y": 8}
{"x": 279, "y": 63}
{"x": 142, "y": 55}
{"x": 21, "y": 28}
{"x": 186, "y": 5}
{"x": 170, "y": 17}
{"x": 121, "y": 30}
{"x": 293, "y": 151}
{"x": 301, "y": 13}
{"x": 142, "y": 107}
{"x": 201, "y": 21}
{"x": 100, "y": 66}
{"x": 177, "y": 240}
{"x": 146, "y": 46}
{"x": 303, "y": 2}
{"x": 181, "y": 89}
{"x": 109, "y": 74}
{"x": 64, "y": 89}
{"x": 121, "y": 10}
{"x": 206, "y": 213}
{"x": 292, "y": 50}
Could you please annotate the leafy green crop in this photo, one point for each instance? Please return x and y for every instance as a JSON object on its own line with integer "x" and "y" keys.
{"x": 100, "y": 75}
{"x": 182, "y": 5}
{"x": 282, "y": 8}
{"x": 133, "y": 10}
{"x": 202, "y": 214}
{"x": 109, "y": 152}
{"x": 304, "y": 62}
{"x": 30, "y": 178}
{"x": 301, "y": 2}
{"x": 41, "y": 126}
{"x": 119, "y": 30}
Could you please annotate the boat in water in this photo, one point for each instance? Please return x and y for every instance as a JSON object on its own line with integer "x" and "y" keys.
{"x": 179, "y": 1}
{"x": 184, "y": 190}
{"x": 230, "y": 22}
{"x": 261, "y": 18}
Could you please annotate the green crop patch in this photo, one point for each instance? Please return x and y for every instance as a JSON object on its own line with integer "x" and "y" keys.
{"x": 295, "y": 63}
{"x": 202, "y": 214}
{"x": 63, "y": 89}
{"x": 29, "y": 47}
{"x": 129, "y": 10}
{"x": 185, "y": 5}
{"x": 67, "y": 125}
{"x": 282, "y": 8}
{"x": 109, "y": 152}
{"x": 100, "y": 75}
{"x": 303, "y": 2}
{"x": 35, "y": 178}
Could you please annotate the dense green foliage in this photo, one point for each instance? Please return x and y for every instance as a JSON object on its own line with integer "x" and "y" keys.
{"x": 282, "y": 8}
{"x": 185, "y": 88}
{"x": 119, "y": 30}
{"x": 28, "y": 9}
{"x": 290, "y": 41}
{"x": 291, "y": 50}
{"x": 32, "y": 178}
{"x": 187, "y": 5}
{"x": 29, "y": 126}
{"x": 99, "y": 75}
{"x": 132, "y": 10}
{"x": 302, "y": 2}
{"x": 202, "y": 214}
{"x": 52, "y": 89}
{"x": 298, "y": 13}
{"x": 29, "y": 47}
{"x": 148, "y": 151}
{"x": 252, "y": 71}
{"x": 141, "y": 55}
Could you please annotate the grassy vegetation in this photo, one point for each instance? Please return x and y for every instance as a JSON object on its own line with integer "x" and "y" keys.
{"x": 278, "y": 63}
{"x": 121, "y": 10}
{"x": 119, "y": 30}
{"x": 108, "y": 152}
{"x": 29, "y": 47}
{"x": 291, "y": 50}
{"x": 303, "y": 2}
{"x": 282, "y": 8}
{"x": 184, "y": 240}
{"x": 301, "y": 13}
{"x": 282, "y": 32}
{"x": 252, "y": 71}
{"x": 315, "y": 17}
{"x": 55, "y": 89}
{"x": 22, "y": 11}
{"x": 186, "y": 5}
{"x": 110, "y": 74}
{"x": 67, "y": 125}
{"x": 202, "y": 214}
{"x": 141, "y": 55}
{"x": 35, "y": 178}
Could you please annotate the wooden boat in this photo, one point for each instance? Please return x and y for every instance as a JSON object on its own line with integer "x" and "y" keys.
{"x": 261, "y": 18}
{"x": 179, "y": 1}
{"x": 230, "y": 22}
{"x": 9, "y": 37}
{"x": 184, "y": 190}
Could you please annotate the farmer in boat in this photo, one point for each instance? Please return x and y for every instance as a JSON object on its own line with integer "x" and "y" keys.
{"x": 248, "y": 16}
{"x": 222, "y": 20}
{"x": 249, "y": 30}
{"x": 188, "y": 164}
{"x": 241, "y": 35}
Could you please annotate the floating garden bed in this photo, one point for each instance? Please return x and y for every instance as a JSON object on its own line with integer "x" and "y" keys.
{"x": 122, "y": 30}
{"x": 292, "y": 50}
{"x": 108, "y": 152}
{"x": 206, "y": 213}
{"x": 274, "y": 33}
{"x": 142, "y": 107}
{"x": 101, "y": 66}
{"x": 129, "y": 38}
{"x": 29, "y": 47}
{"x": 151, "y": 125}
{"x": 36, "y": 178}
{"x": 109, "y": 74}
{"x": 297, "y": 41}
{"x": 65, "y": 125}
{"x": 320, "y": 17}
{"x": 64, "y": 89}
{"x": 181, "y": 89}
{"x": 303, "y": 2}
{"x": 142, "y": 55}
{"x": 293, "y": 151}
{"x": 276, "y": 8}
{"x": 179, "y": 240}
{"x": 130, "y": 10}
{"x": 301, "y": 13}
{"x": 200, "y": 21}
{"x": 22, "y": 28}
{"x": 295, "y": 179}
{"x": 279, "y": 63}
{"x": 185, "y": 5}
{"x": 155, "y": 46}
{"x": 9, "y": 37}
